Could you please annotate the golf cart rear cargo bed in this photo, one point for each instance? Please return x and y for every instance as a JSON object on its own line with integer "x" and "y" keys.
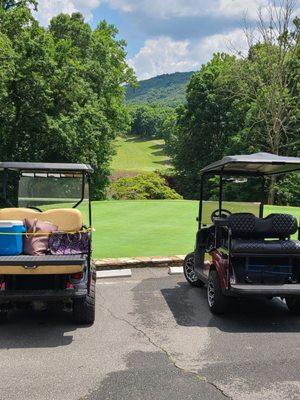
{"x": 41, "y": 265}
{"x": 42, "y": 260}
{"x": 32, "y": 295}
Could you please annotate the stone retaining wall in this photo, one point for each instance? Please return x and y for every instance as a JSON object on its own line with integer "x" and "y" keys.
{"x": 139, "y": 262}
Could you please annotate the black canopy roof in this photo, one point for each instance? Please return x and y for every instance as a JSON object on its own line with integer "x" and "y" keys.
{"x": 253, "y": 164}
{"x": 58, "y": 167}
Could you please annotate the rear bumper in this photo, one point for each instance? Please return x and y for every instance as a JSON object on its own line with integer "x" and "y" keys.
{"x": 42, "y": 265}
{"x": 40, "y": 269}
{"x": 265, "y": 290}
{"x": 45, "y": 295}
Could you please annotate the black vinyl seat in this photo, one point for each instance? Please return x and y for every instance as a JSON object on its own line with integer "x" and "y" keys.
{"x": 270, "y": 235}
{"x": 248, "y": 246}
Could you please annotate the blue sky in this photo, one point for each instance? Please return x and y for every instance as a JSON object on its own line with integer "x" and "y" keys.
{"x": 165, "y": 36}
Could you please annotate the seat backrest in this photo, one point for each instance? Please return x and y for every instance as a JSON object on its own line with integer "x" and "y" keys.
{"x": 245, "y": 225}
{"x": 66, "y": 219}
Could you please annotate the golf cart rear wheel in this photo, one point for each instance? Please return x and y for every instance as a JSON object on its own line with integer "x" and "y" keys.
{"x": 217, "y": 302}
{"x": 188, "y": 269}
{"x": 3, "y": 316}
{"x": 293, "y": 304}
{"x": 84, "y": 309}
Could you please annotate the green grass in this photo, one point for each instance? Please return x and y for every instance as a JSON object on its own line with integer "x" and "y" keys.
{"x": 138, "y": 154}
{"x": 152, "y": 228}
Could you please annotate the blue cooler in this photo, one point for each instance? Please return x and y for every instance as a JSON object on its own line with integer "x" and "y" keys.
{"x": 12, "y": 244}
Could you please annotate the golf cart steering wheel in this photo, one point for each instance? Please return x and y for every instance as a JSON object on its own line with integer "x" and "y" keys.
{"x": 224, "y": 214}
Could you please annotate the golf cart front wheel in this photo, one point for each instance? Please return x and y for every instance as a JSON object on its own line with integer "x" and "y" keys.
{"x": 293, "y": 304}
{"x": 217, "y": 302}
{"x": 188, "y": 269}
{"x": 84, "y": 309}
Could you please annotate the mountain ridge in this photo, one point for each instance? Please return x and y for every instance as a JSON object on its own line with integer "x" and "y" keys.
{"x": 166, "y": 89}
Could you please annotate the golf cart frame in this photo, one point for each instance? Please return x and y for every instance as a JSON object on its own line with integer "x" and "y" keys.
{"x": 39, "y": 280}
{"x": 250, "y": 255}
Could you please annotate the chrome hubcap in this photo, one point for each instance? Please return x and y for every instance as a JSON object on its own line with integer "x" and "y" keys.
{"x": 210, "y": 293}
{"x": 189, "y": 270}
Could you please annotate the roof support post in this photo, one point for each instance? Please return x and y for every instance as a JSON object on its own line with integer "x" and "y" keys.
{"x": 200, "y": 202}
{"x": 220, "y": 193}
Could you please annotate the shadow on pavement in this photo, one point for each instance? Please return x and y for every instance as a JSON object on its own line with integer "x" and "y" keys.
{"x": 189, "y": 308}
{"x": 29, "y": 329}
{"x": 151, "y": 376}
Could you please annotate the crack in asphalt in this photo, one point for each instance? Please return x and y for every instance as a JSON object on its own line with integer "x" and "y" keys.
{"x": 161, "y": 348}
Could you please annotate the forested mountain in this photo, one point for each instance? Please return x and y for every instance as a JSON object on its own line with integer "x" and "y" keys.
{"x": 168, "y": 89}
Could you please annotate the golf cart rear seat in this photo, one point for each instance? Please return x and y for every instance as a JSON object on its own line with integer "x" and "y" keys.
{"x": 67, "y": 220}
{"x": 251, "y": 235}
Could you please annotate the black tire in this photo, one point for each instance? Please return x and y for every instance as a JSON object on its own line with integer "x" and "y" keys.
{"x": 293, "y": 304}
{"x": 188, "y": 268}
{"x": 217, "y": 302}
{"x": 3, "y": 316}
{"x": 84, "y": 309}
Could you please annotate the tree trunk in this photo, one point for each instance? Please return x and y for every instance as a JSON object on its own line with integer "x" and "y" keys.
{"x": 272, "y": 190}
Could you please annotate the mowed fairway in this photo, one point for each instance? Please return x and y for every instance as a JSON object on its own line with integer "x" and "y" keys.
{"x": 150, "y": 228}
{"x": 138, "y": 154}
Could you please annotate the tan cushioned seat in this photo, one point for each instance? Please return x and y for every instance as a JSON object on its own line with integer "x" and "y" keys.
{"x": 66, "y": 219}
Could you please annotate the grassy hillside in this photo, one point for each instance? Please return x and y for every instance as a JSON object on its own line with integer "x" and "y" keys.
{"x": 144, "y": 228}
{"x": 137, "y": 154}
{"x": 168, "y": 89}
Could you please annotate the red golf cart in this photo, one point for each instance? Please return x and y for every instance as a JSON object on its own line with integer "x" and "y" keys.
{"x": 241, "y": 252}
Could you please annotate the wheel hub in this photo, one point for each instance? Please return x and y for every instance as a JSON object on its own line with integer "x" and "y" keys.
{"x": 189, "y": 270}
{"x": 210, "y": 293}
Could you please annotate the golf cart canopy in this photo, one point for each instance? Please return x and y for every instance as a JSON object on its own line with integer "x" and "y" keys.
{"x": 257, "y": 164}
{"x": 45, "y": 167}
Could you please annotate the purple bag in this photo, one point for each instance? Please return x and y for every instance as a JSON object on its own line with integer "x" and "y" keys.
{"x": 69, "y": 243}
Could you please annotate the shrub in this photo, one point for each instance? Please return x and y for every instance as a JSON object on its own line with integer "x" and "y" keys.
{"x": 143, "y": 187}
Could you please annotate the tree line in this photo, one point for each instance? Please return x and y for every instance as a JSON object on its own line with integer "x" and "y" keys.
{"x": 243, "y": 104}
{"x": 62, "y": 99}
{"x": 61, "y": 90}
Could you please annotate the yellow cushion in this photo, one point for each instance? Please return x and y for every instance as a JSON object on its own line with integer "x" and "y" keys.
{"x": 66, "y": 219}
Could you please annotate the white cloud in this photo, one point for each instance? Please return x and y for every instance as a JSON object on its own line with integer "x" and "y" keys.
{"x": 162, "y": 55}
{"x": 233, "y": 42}
{"x": 190, "y": 8}
{"x": 49, "y": 8}
{"x": 165, "y": 55}
{"x": 238, "y": 8}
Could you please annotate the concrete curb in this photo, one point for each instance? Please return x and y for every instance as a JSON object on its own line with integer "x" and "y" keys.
{"x": 175, "y": 270}
{"x": 139, "y": 262}
{"x": 114, "y": 273}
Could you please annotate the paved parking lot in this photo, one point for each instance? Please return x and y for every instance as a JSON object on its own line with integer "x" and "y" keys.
{"x": 154, "y": 339}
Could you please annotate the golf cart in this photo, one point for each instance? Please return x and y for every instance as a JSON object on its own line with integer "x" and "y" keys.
{"x": 239, "y": 252}
{"x": 51, "y": 193}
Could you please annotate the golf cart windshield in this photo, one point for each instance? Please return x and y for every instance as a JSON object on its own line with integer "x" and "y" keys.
{"x": 51, "y": 189}
{"x": 232, "y": 206}
{"x": 44, "y": 185}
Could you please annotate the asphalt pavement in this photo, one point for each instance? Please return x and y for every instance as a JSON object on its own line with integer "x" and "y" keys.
{"x": 154, "y": 338}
